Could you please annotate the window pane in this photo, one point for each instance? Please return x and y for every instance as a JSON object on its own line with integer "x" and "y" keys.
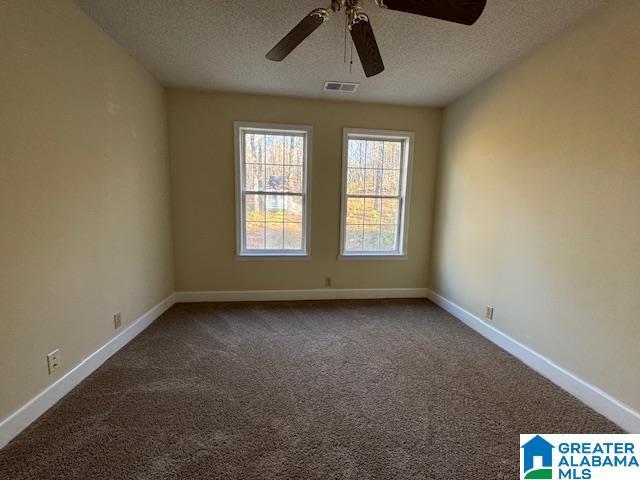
{"x": 390, "y": 182}
{"x": 273, "y": 236}
{"x": 255, "y": 235}
{"x": 293, "y": 209}
{"x": 278, "y": 143}
{"x": 254, "y": 148}
{"x": 354, "y": 238}
{"x": 355, "y": 211}
{"x": 274, "y": 178}
{"x": 254, "y": 177}
{"x": 274, "y": 206}
{"x": 274, "y": 151}
{"x": 392, "y": 155}
{"x": 293, "y": 179}
{"x": 388, "y": 238}
{"x": 254, "y": 208}
{"x": 375, "y": 154}
{"x": 389, "y": 213}
{"x": 372, "y": 207}
{"x": 292, "y": 236}
{"x": 371, "y": 237}
{"x": 356, "y": 153}
{"x": 355, "y": 181}
{"x": 293, "y": 150}
{"x": 373, "y": 182}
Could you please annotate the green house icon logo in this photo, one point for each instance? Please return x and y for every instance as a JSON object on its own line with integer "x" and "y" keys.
{"x": 537, "y": 447}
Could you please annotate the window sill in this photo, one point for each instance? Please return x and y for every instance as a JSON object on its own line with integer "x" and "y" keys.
{"x": 372, "y": 257}
{"x": 273, "y": 258}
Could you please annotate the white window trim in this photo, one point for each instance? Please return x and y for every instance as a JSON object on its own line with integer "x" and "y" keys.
{"x": 405, "y": 182}
{"x": 307, "y": 131}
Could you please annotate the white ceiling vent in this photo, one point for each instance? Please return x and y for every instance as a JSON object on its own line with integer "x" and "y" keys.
{"x": 340, "y": 87}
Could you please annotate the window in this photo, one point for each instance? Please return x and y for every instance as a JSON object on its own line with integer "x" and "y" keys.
{"x": 272, "y": 184}
{"x": 374, "y": 193}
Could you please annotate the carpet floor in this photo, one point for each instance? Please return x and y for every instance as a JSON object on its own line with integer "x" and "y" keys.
{"x": 382, "y": 389}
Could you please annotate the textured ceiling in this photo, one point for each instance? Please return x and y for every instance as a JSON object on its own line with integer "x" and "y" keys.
{"x": 220, "y": 45}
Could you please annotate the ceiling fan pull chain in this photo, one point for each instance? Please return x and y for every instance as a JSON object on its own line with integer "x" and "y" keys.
{"x": 351, "y": 62}
{"x": 346, "y": 27}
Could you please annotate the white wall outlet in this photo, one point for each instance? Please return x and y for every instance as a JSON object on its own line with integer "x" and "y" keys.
{"x": 53, "y": 360}
{"x": 327, "y": 281}
{"x": 117, "y": 320}
{"x": 489, "y": 313}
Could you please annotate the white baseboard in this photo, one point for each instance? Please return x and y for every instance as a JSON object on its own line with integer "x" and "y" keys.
{"x": 603, "y": 403}
{"x": 312, "y": 294}
{"x": 11, "y": 426}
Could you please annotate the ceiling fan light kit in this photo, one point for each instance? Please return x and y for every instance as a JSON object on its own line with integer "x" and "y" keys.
{"x": 465, "y": 12}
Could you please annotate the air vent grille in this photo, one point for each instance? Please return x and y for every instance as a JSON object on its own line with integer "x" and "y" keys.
{"x": 347, "y": 87}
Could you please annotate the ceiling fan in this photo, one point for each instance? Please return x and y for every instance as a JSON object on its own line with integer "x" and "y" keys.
{"x": 458, "y": 11}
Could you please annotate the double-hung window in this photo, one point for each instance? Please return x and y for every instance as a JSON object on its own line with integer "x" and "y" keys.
{"x": 375, "y": 178}
{"x": 272, "y": 178}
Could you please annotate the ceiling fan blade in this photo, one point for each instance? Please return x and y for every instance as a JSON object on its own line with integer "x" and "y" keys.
{"x": 295, "y": 37}
{"x": 366, "y": 45}
{"x": 459, "y": 11}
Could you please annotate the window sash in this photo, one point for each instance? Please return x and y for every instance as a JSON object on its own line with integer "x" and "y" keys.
{"x": 397, "y": 232}
{"x": 241, "y": 165}
{"x": 252, "y": 251}
{"x": 398, "y": 228}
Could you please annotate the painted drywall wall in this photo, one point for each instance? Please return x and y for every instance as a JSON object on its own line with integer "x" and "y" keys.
{"x": 538, "y": 201}
{"x": 203, "y": 192}
{"x": 84, "y": 192}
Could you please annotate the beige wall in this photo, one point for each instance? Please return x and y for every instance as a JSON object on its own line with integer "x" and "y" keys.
{"x": 202, "y": 171}
{"x": 539, "y": 201}
{"x": 84, "y": 192}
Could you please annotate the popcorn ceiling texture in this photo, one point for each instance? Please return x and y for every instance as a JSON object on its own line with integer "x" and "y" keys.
{"x": 221, "y": 44}
{"x": 349, "y": 390}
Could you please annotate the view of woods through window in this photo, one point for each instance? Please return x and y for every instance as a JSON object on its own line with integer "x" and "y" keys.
{"x": 274, "y": 192}
{"x": 373, "y": 195}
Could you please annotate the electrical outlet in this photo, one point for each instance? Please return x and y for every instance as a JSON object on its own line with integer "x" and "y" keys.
{"x": 117, "y": 320}
{"x": 53, "y": 360}
{"x": 327, "y": 281}
{"x": 489, "y": 313}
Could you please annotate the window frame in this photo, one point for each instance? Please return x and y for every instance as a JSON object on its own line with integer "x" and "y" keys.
{"x": 240, "y": 128}
{"x": 407, "y": 139}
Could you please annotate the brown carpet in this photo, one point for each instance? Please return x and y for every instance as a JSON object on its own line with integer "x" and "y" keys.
{"x": 385, "y": 389}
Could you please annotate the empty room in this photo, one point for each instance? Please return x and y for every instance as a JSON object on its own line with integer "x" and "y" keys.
{"x": 321, "y": 239}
